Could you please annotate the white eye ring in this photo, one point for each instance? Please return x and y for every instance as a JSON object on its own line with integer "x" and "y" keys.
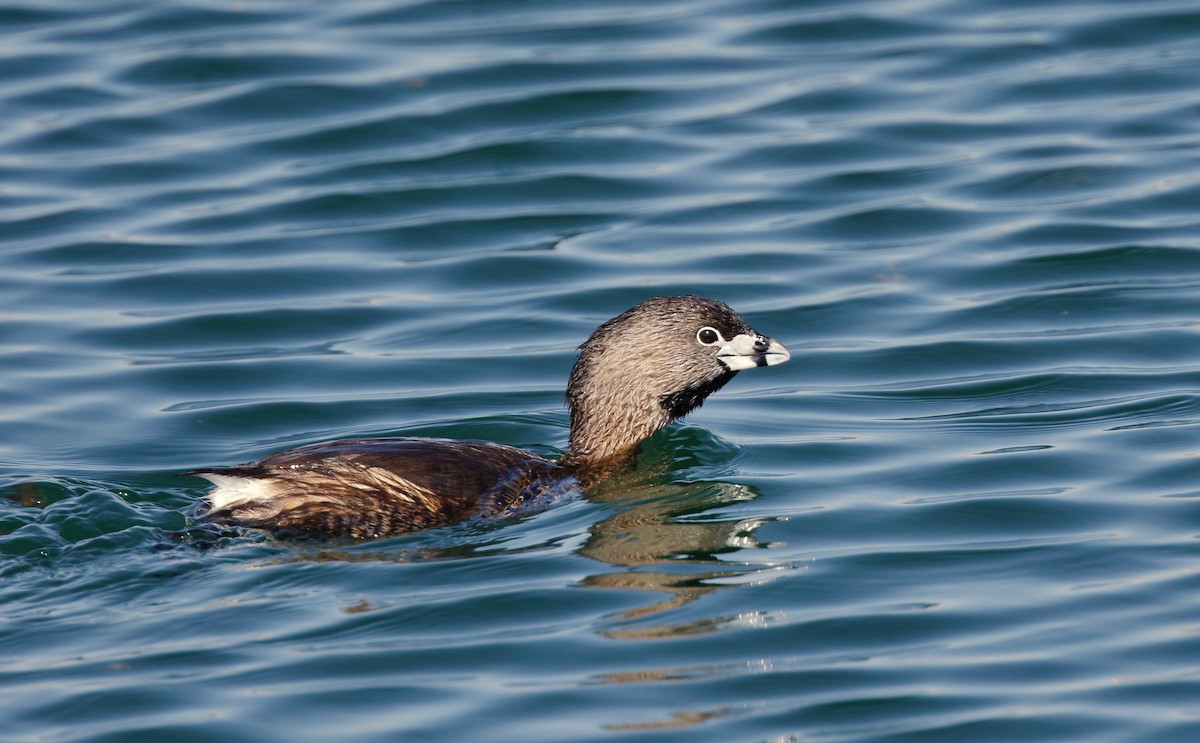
{"x": 709, "y": 336}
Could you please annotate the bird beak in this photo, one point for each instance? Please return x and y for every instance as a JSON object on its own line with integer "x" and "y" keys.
{"x": 748, "y": 350}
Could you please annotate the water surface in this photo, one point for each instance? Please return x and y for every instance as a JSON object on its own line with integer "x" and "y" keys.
{"x": 965, "y": 511}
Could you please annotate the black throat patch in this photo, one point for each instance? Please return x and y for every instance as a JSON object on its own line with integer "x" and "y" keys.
{"x": 679, "y": 404}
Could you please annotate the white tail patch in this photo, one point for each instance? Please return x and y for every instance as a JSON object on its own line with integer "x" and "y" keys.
{"x": 232, "y": 491}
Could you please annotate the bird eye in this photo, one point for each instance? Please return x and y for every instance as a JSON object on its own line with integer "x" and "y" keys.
{"x": 707, "y": 336}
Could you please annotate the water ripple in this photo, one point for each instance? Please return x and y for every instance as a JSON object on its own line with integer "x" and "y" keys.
{"x": 965, "y": 510}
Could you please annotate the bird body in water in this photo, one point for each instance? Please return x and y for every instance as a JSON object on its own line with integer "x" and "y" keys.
{"x": 636, "y": 373}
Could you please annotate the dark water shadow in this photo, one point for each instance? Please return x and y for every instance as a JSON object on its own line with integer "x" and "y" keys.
{"x": 668, "y": 536}
{"x": 658, "y": 534}
{"x": 662, "y": 527}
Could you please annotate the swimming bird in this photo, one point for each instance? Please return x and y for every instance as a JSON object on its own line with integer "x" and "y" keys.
{"x": 637, "y": 372}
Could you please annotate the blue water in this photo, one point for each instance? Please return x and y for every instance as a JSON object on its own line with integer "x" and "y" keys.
{"x": 967, "y": 510}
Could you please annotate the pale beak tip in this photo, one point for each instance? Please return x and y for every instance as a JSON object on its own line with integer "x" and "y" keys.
{"x": 776, "y": 353}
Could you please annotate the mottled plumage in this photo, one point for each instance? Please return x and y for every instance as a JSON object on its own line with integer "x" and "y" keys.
{"x": 370, "y": 487}
{"x": 635, "y": 374}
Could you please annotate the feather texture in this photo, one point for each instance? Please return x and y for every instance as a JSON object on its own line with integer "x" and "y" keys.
{"x": 636, "y": 373}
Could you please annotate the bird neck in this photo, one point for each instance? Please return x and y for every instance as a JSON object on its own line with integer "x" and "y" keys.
{"x": 613, "y": 409}
{"x": 607, "y": 428}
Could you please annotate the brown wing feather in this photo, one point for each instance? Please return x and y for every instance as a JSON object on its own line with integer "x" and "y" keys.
{"x": 372, "y": 487}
